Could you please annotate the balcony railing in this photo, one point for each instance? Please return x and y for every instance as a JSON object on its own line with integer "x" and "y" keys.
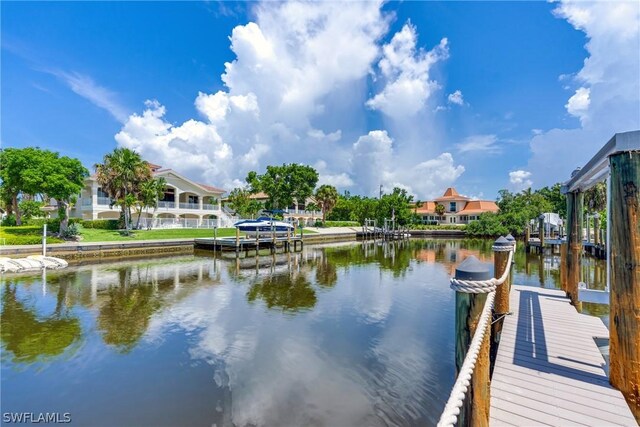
{"x": 189, "y": 205}
{"x": 104, "y": 201}
{"x": 210, "y": 207}
{"x": 170, "y": 205}
{"x": 86, "y": 202}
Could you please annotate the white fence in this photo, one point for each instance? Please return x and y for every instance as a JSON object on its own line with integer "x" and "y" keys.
{"x": 179, "y": 223}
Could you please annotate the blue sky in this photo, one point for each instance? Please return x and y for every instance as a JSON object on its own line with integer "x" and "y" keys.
{"x": 479, "y": 95}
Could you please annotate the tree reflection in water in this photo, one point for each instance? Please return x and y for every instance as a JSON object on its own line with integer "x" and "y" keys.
{"x": 326, "y": 273}
{"x": 29, "y": 338}
{"x": 124, "y": 318}
{"x": 288, "y": 293}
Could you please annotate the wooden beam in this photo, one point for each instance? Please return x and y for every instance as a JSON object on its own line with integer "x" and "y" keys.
{"x": 625, "y": 277}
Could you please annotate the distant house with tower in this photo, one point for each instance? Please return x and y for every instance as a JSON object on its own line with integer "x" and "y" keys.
{"x": 456, "y": 209}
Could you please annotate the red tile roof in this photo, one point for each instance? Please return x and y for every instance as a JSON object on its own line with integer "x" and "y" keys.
{"x": 450, "y": 195}
{"x": 479, "y": 206}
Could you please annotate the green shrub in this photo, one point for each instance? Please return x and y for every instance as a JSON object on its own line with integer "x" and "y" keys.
{"x": 9, "y": 221}
{"x": 438, "y": 227}
{"x": 71, "y": 231}
{"x": 24, "y": 235}
{"x": 488, "y": 225}
{"x": 102, "y": 224}
{"x": 28, "y": 240}
{"x": 341, "y": 223}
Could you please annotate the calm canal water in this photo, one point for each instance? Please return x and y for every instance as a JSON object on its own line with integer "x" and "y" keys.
{"x": 341, "y": 335}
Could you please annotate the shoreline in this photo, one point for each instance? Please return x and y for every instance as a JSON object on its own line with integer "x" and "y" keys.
{"x": 79, "y": 251}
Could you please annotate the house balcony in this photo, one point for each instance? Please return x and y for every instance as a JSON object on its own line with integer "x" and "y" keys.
{"x": 104, "y": 202}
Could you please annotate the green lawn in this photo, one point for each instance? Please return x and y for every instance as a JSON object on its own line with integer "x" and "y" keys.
{"x": 95, "y": 235}
{"x": 24, "y": 235}
{"x": 32, "y": 235}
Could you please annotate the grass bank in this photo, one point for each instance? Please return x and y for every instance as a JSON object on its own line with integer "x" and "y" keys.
{"x": 24, "y": 235}
{"x": 32, "y": 235}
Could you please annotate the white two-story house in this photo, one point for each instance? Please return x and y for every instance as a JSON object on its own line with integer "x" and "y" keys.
{"x": 185, "y": 203}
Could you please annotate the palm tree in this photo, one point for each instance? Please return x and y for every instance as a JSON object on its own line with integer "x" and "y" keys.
{"x": 440, "y": 209}
{"x": 595, "y": 198}
{"x": 326, "y": 198}
{"x": 151, "y": 192}
{"x": 120, "y": 176}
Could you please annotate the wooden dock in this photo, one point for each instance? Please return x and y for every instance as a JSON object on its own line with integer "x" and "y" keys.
{"x": 549, "y": 369}
{"x": 244, "y": 244}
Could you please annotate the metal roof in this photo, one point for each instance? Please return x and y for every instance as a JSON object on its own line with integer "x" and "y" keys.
{"x": 597, "y": 168}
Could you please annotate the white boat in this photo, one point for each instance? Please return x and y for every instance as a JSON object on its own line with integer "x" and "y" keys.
{"x": 264, "y": 226}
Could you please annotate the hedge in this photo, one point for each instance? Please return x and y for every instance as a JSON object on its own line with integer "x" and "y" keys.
{"x": 438, "y": 227}
{"x": 338, "y": 224}
{"x": 28, "y": 240}
{"x": 102, "y": 224}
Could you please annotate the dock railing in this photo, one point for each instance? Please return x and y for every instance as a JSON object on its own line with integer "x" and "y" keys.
{"x": 479, "y": 300}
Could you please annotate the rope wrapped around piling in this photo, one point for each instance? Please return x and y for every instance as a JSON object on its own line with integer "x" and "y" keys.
{"x": 483, "y": 286}
{"x": 451, "y": 411}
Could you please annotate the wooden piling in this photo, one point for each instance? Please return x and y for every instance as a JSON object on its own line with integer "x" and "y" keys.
{"x": 625, "y": 277}
{"x": 563, "y": 266}
{"x": 475, "y": 410}
{"x": 500, "y": 265}
{"x": 237, "y": 239}
{"x": 596, "y": 229}
{"x": 527, "y": 238}
{"x": 574, "y": 244}
{"x": 541, "y": 232}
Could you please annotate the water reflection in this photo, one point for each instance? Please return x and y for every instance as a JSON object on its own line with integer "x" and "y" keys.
{"x": 284, "y": 292}
{"x": 336, "y": 335}
{"x": 29, "y": 337}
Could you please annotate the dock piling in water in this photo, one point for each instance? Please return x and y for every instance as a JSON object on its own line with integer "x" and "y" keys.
{"x": 625, "y": 276}
{"x": 469, "y": 306}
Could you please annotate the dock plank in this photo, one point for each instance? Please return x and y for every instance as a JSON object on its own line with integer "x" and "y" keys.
{"x": 549, "y": 370}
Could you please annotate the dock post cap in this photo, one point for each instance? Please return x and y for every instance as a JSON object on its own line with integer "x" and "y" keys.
{"x": 502, "y": 245}
{"x": 472, "y": 269}
{"x": 542, "y": 217}
{"x": 502, "y": 241}
{"x": 510, "y": 238}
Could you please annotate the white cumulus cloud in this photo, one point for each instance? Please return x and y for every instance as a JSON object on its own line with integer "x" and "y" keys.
{"x": 519, "y": 180}
{"x": 456, "y": 98}
{"x": 406, "y": 71}
{"x": 578, "y": 104}
{"x": 607, "y": 100}
{"x": 296, "y": 92}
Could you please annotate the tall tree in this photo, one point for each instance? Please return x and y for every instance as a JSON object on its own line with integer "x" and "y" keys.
{"x": 326, "y": 198}
{"x": 120, "y": 175}
{"x": 31, "y": 173}
{"x": 284, "y": 184}
{"x": 241, "y": 202}
{"x": 64, "y": 180}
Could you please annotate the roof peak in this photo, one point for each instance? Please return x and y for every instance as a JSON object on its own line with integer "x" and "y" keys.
{"x": 450, "y": 192}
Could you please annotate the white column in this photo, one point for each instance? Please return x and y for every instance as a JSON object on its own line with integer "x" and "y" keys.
{"x": 220, "y": 202}
{"x": 201, "y": 202}
{"x": 94, "y": 193}
{"x": 177, "y": 198}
